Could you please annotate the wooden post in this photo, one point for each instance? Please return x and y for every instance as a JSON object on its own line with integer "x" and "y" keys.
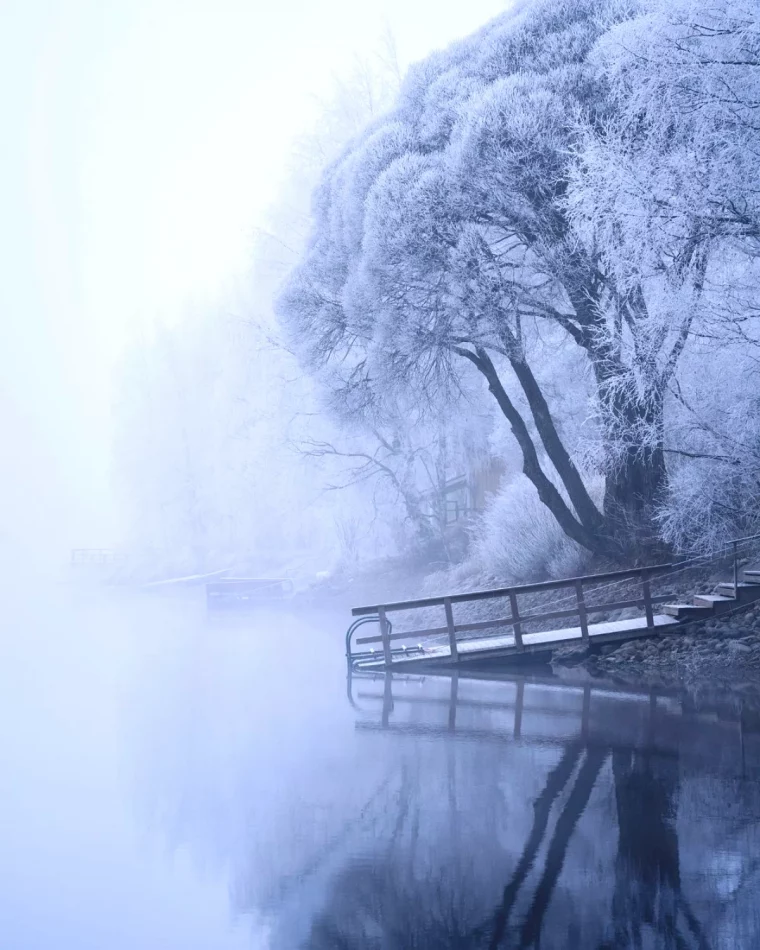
{"x": 586, "y": 711}
{"x": 452, "y": 631}
{"x": 516, "y": 625}
{"x": 652, "y": 716}
{"x": 519, "y": 701}
{"x": 453, "y": 695}
{"x": 385, "y": 635}
{"x": 736, "y": 571}
{"x": 647, "y": 598}
{"x": 387, "y": 699}
{"x": 582, "y": 610}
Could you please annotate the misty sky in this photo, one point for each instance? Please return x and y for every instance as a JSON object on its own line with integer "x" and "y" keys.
{"x": 142, "y": 143}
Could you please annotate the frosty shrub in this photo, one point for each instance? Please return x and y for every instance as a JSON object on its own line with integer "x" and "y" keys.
{"x": 517, "y": 540}
{"x": 711, "y": 502}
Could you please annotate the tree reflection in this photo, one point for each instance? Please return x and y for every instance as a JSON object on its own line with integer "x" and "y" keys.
{"x": 453, "y": 899}
{"x": 647, "y": 869}
{"x": 555, "y": 784}
{"x": 381, "y": 905}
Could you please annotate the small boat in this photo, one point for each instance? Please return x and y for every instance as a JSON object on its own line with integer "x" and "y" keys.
{"x": 187, "y": 581}
{"x": 248, "y": 591}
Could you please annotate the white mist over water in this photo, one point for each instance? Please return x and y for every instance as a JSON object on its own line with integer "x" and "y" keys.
{"x": 142, "y": 144}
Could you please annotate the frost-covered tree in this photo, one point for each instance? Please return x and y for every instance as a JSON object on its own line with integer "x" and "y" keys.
{"x": 444, "y": 236}
{"x": 668, "y": 188}
{"x": 676, "y": 162}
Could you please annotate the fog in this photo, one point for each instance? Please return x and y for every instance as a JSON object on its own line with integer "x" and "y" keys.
{"x": 143, "y": 144}
{"x": 313, "y": 305}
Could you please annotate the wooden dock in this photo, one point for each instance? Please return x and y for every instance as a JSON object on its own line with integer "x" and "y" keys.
{"x": 437, "y": 631}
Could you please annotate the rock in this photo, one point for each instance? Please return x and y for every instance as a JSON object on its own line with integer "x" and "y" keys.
{"x": 570, "y": 656}
{"x": 629, "y": 613}
{"x": 736, "y": 647}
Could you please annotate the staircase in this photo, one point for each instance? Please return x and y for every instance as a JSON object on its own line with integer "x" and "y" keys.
{"x": 727, "y": 597}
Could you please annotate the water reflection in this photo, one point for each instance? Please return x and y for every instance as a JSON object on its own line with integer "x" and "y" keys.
{"x": 529, "y": 813}
{"x": 231, "y": 799}
{"x": 433, "y": 812}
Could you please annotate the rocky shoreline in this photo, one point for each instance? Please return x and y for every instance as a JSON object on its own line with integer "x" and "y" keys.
{"x": 723, "y": 648}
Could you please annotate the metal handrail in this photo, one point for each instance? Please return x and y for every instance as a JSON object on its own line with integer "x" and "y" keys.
{"x": 749, "y": 537}
{"x": 350, "y": 655}
{"x": 630, "y": 573}
{"x": 466, "y": 597}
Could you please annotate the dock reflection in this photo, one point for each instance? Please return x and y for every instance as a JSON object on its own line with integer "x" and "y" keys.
{"x": 548, "y": 712}
{"x": 554, "y": 815}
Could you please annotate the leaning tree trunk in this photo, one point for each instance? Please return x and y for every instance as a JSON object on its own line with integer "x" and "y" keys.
{"x": 579, "y": 519}
{"x": 632, "y": 430}
{"x": 636, "y": 477}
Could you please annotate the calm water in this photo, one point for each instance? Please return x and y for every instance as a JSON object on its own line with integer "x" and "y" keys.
{"x": 170, "y": 782}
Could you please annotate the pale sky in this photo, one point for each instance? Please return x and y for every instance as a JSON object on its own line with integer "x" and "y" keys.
{"x": 142, "y": 143}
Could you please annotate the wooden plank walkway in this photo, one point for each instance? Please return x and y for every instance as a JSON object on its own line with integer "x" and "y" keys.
{"x": 498, "y": 647}
{"x": 445, "y": 645}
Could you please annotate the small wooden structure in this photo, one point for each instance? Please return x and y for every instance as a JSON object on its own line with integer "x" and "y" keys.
{"x": 87, "y": 557}
{"x": 247, "y": 591}
{"x": 456, "y": 643}
{"x": 464, "y": 495}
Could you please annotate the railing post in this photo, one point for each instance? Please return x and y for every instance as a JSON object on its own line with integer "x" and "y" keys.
{"x": 453, "y": 696}
{"x": 586, "y": 711}
{"x": 387, "y": 698}
{"x": 736, "y": 570}
{"x": 519, "y": 703}
{"x": 385, "y": 634}
{"x": 451, "y": 629}
{"x": 646, "y": 587}
{"x": 516, "y": 625}
{"x": 652, "y": 715}
{"x": 582, "y": 610}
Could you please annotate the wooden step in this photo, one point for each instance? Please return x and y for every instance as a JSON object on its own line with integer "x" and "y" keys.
{"x": 746, "y": 591}
{"x": 682, "y": 611}
{"x": 716, "y": 601}
{"x": 754, "y": 576}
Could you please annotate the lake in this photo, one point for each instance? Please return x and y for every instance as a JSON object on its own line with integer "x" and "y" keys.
{"x": 172, "y": 779}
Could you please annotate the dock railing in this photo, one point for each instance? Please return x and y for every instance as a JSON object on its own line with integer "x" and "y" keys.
{"x": 516, "y": 619}
{"x": 576, "y": 597}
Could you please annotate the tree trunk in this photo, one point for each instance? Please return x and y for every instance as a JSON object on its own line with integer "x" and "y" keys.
{"x": 636, "y": 475}
{"x": 588, "y": 532}
{"x": 637, "y": 478}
